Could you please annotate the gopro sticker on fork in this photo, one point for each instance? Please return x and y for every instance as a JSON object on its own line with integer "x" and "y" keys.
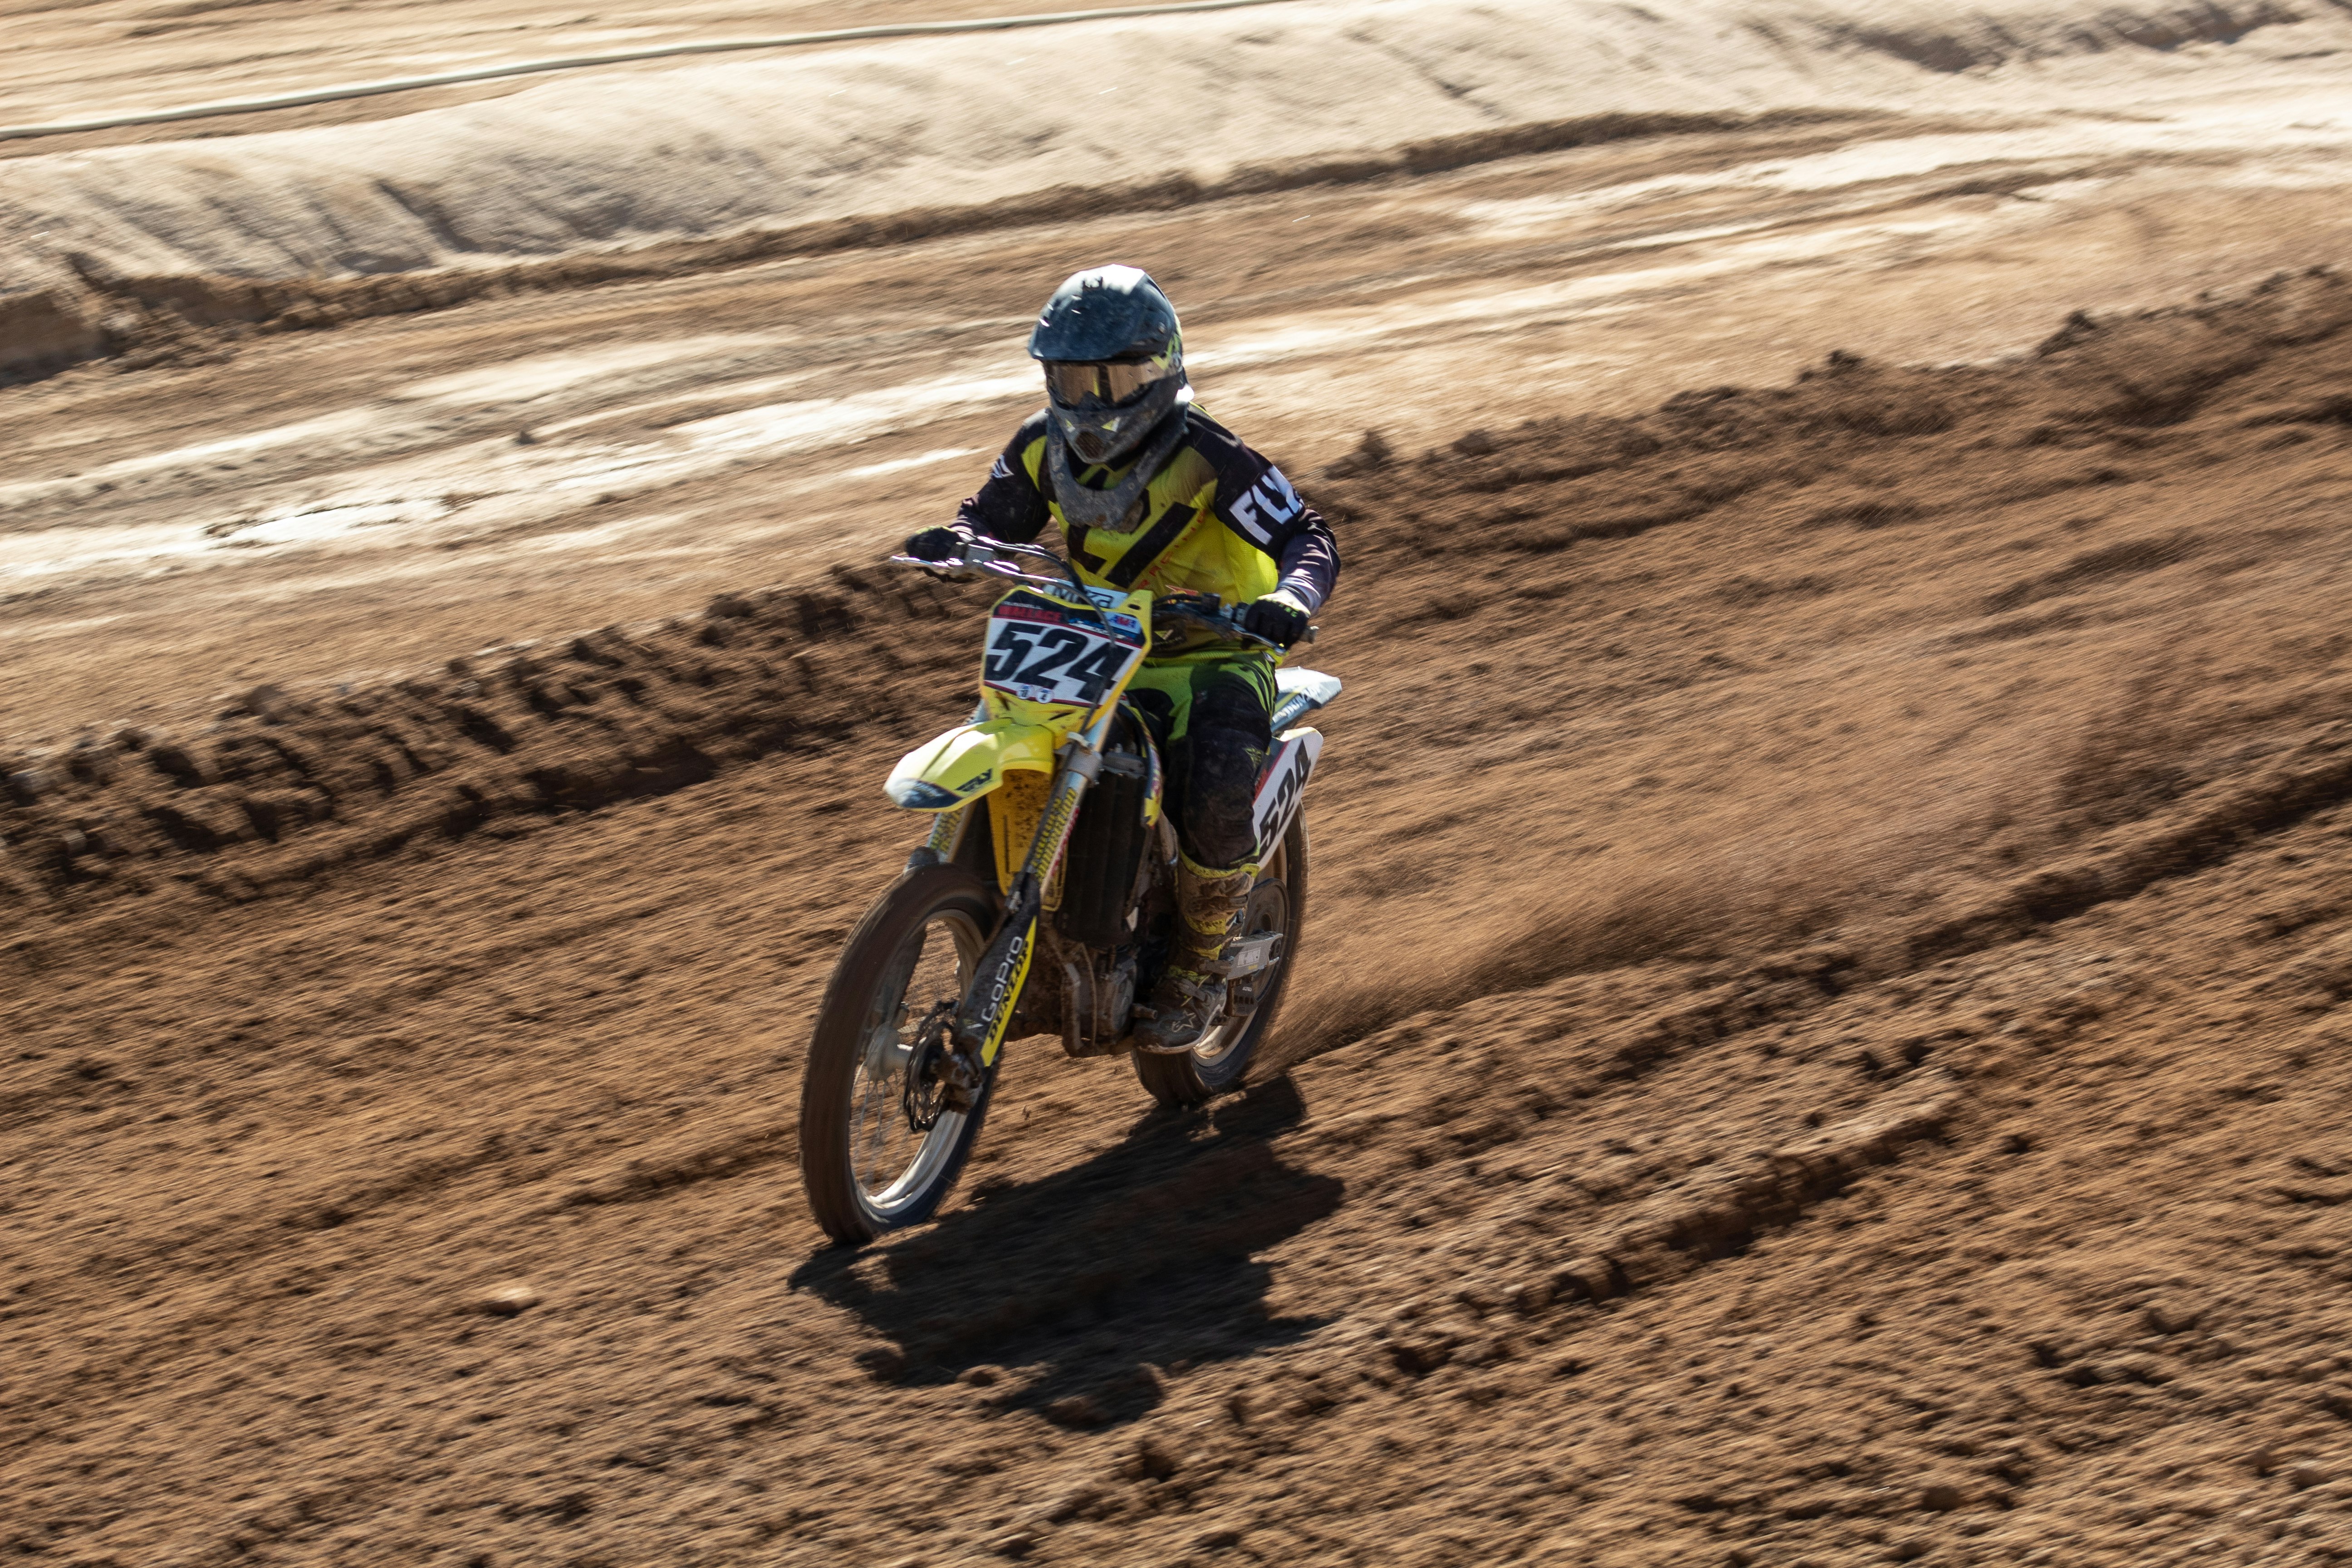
{"x": 1002, "y": 988}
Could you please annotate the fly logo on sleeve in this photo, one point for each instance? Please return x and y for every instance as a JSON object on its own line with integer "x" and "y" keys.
{"x": 1000, "y": 469}
{"x": 1267, "y": 507}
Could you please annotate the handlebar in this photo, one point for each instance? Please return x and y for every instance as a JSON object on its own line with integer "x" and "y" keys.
{"x": 985, "y": 557}
{"x": 1204, "y": 611}
{"x": 988, "y": 558}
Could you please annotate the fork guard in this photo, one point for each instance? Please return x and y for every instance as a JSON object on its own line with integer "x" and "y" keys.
{"x": 969, "y": 762}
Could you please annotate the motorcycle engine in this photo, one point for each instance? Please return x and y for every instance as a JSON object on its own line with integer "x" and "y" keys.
{"x": 1098, "y": 998}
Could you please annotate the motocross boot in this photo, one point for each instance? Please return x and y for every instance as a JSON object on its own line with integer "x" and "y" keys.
{"x": 1191, "y": 995}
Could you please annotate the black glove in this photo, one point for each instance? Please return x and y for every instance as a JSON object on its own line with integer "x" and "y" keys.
{"x": 1276, "y": 618}
{"x": 938, "y": 544}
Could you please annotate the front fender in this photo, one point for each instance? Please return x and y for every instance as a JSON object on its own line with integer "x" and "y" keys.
{"x": 965, "y": 763}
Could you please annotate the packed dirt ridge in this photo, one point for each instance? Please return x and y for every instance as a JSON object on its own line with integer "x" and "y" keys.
{"x": 610, "y": 175}
{"x": 1821, "y": 1039}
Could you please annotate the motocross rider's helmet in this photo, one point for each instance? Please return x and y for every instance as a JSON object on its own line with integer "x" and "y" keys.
{"x": 1114, "y": 358}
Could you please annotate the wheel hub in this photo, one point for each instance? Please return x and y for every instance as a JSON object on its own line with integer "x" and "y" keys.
{"x": 933, "y": 1083}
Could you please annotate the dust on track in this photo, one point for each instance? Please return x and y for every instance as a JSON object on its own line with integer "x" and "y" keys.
{"x": 1873, "y": 855}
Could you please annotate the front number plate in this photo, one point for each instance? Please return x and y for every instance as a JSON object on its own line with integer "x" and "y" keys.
{"x": 1041, "y": 653}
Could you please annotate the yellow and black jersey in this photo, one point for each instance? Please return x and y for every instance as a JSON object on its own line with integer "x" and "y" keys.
{"x": 1217, "y": 519}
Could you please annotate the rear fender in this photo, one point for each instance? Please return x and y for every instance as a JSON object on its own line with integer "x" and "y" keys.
{"x": 1298, "y": 692}
{"x": 966, "y": 764}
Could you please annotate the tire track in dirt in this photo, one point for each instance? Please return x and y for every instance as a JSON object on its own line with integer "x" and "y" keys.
{"x": 605, "y": 716}
{"x": 170, "y": 317}
{"x": 1948, "y": 1170}
{"x": 2206, "y": 834}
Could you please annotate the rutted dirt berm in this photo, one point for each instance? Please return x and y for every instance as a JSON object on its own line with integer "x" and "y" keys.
{"x": 1826, "y": 1043}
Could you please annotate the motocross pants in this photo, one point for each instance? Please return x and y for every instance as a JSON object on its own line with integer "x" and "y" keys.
{"x": 1212, "y": 721}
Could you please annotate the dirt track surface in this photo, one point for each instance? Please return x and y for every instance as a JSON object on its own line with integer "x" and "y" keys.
{"x": 1821, "y": 1040}
{"x": 74, "y": 60}
{"x": 312, "y": 506}
{"x": 1822, "y": 1034}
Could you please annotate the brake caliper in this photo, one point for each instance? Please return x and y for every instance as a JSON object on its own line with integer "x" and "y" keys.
{"x": 931, "y": 1082}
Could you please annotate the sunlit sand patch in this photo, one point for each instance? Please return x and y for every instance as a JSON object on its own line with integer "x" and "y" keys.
{"x": 522, "y": 381}
{"x": 922, "y": 459}
{"x": 2239, "y": 128}
{"x": 498, "y": 484}
{"x": 325, "y": 428}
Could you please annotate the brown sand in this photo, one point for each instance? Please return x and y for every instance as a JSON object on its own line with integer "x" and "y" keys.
{"x": 1820, "y": 1040}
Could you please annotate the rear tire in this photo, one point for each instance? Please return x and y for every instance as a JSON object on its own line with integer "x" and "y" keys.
{"x": 1219, "y": 1064}
{"x": 865, "y": 1170}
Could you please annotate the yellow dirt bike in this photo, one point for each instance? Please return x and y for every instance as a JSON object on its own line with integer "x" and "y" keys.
{"x": 1044, "y": 901}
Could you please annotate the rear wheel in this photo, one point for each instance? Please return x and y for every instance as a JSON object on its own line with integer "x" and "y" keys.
{"x": 866, "y": 1168}
{"x": 1220, "y": 1062}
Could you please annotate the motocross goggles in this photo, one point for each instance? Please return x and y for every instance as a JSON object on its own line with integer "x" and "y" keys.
{"x": 1073, "y": 381}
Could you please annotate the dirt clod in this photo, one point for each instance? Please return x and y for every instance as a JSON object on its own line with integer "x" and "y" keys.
{"x": 1369, "y": 456}
{"x": 510, "y": 1300}
{"x": 1076, "y": 1410}
{"x": 1156, "y": 1458}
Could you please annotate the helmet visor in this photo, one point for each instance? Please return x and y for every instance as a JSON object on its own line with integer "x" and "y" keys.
{"x": 1073, "y": 381}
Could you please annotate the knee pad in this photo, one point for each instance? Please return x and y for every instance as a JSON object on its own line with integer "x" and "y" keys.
{"x": 1226, "y": 701}
{"x": 1226, "y": 745}
{"x": 1220, "y": 788}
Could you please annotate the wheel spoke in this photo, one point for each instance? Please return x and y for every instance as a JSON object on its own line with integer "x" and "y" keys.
{"x": 889, "y": 1157}
{"x": 1269, "y": 910}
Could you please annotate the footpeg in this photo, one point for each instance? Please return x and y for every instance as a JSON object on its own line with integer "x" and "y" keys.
{"x": 1248, "y": 957}
{"x": 1188, "y": 1008}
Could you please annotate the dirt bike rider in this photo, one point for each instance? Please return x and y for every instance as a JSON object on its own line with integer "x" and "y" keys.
{"x": 1150, "y": 492}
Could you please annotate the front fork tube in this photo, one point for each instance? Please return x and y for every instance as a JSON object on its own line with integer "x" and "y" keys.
{"x": 946, "y": 829}
{"x": 988, "y": 1006}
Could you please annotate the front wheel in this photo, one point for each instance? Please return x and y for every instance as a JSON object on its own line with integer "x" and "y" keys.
{"x": 866, "y": 1166}
{"x": 1278, "y": 903}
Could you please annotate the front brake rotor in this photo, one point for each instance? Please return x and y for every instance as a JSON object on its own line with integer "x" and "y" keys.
{"x": 926, "y": 1089}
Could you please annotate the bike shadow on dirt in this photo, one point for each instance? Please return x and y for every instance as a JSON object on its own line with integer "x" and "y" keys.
{"x": 1071, "y": 1295}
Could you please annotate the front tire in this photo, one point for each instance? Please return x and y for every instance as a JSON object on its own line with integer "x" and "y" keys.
{"x": 864, "y": 1168}
{"x": 1277, "y": 902}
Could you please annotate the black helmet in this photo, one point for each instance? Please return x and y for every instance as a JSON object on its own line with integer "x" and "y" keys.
{"x": 1114, "y": 355}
